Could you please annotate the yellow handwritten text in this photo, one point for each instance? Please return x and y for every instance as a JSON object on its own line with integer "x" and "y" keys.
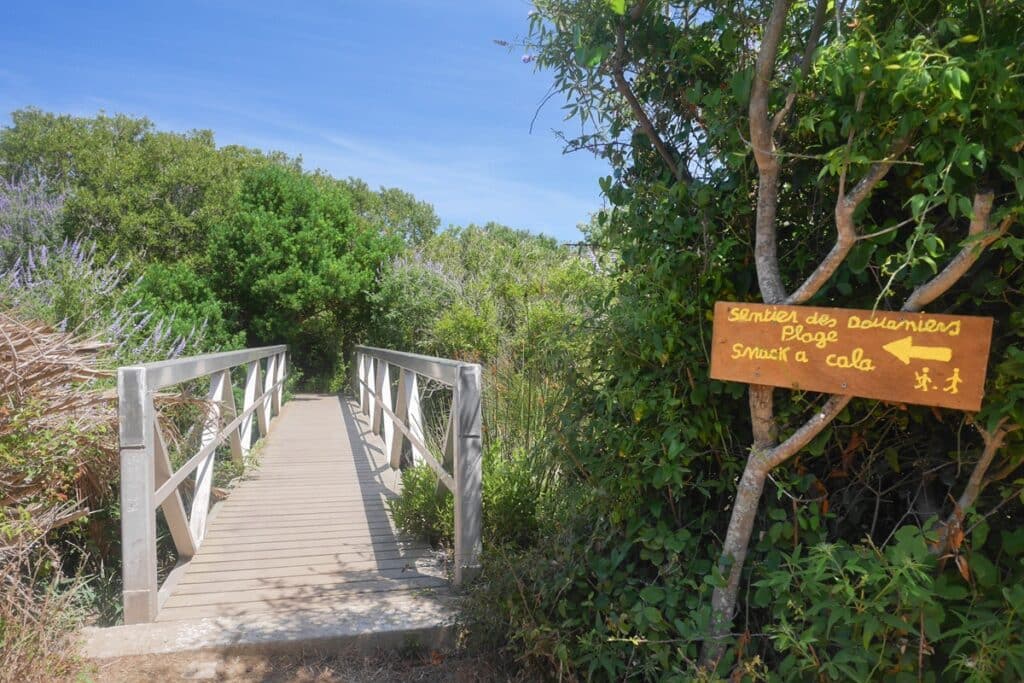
{"x": 885, "y": 322}
{"x": 855, "y": 361}
{"x": 779, "y": 353}
{"x": 821, "y": 320}
{"x": 819, "y": 338}
{"x": 770, "y": 315}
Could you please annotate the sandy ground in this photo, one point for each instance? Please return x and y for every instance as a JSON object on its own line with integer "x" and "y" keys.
{"x": 434, "y": 668}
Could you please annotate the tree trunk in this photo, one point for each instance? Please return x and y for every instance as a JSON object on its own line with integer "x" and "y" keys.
{"x": 734, "y": 553}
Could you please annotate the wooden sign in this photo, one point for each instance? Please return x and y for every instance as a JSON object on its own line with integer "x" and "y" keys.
{"x": 937, "y": 360}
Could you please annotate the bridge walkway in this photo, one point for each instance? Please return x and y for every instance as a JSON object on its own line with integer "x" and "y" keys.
{"x": 308, "y": 530}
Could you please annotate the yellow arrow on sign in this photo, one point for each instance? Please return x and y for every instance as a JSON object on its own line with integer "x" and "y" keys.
{"x": 905, "y": 350}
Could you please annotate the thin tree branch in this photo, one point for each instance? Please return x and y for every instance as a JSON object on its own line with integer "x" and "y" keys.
{"x": 769, "y": 278}
{"x": 976, "y": 483}
{"x": 813, "y": 37}
{"x": 1007, "y": 469}
{"x": 680, "y": 173}
{"x": 979, "y": 237}
{"x": 952, "y": 528}
{"x": 807, "y": 431}
{"x": 846, "y": 230}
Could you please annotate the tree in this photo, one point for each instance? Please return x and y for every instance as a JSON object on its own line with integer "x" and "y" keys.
{"x": 394, "y": 211}
{"x": 882, "y": 145}
{"x": 132, "y": 189}
{"x": 296, "y": 267}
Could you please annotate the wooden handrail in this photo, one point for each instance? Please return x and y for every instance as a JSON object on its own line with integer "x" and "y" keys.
{"x": 147, "y": 479}
{"x": 462, "y": 448}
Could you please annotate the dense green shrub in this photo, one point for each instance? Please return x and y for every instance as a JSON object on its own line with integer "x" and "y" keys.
{"x": 294, "y": 267}
{"x": 178, "y": 293}
{"x": 421, "y": 510}
{"x": 511, "y": 495}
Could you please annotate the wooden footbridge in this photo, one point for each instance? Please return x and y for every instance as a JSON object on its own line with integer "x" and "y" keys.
{"x": 306, "y": 537}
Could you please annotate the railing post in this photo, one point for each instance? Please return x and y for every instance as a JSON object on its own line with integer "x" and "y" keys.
{"x": 219, "y": 382}
{"x": 361, "y": 380}
{"x": 466, "y": 401}
{"x": 387, "y": 425}
{"x": 252, "y": 381}
{"x": 371, "y": 381}
{"x": 381, "y": 385}
{"x": 415, "y": 419}
{"x": 138, "y": 484}
{"x": 230, "y": 411}
{"x": 402, "y": 412}
{"x": 267, "y": 407}
{"x": 279, "y": 377}
{"x": 409, "y": 413}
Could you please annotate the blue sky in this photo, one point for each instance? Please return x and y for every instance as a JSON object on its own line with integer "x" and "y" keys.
{"x": 402, "y": 93}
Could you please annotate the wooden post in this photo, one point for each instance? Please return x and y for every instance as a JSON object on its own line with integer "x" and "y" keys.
{"x": 230, "y": 413}
{"x": 361, "y": 380}
{"x": 138, "y": 484}
{"x": 402, "y": 412}
{"x": 279, "y": 379}
{"x": 466, "y": 402}
{"x": 415, "y": 416}
{"x": 204, "y": 472}
{"x": 371, "y": 381}
{"x": 380, "y": 386}
{"x": 383, "y": 423}
{"x": 268, "y": 386}
{"x": 262, "y": 414}
{"x": 252, "y": 381}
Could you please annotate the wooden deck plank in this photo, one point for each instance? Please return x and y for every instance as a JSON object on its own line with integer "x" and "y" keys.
{"x": 298, "y": 611}
{"x": 308, "y": 528}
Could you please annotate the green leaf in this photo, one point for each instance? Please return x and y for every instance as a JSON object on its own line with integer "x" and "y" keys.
{"x": 984, "y": 571}
{"x": 652, "y": 614}
{"x": 980, "y": 535}
{"x": 917, "y": 203}
{"x": 618, "y": 6}
{"x": 1013, "y": 542}
{"x": 652, "y": 594}
{"x": 860, "y": 257}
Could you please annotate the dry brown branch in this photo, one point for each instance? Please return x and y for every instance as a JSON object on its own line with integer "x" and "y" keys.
{"x": 44, "y": 387}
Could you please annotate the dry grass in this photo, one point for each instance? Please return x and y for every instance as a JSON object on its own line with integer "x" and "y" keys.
{"x": 43, "y": 377}
{"x": 38, "y": 616}
{"x": 43, "y": 400}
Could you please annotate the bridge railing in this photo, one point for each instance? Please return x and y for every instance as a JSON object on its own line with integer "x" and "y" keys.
{"x": 148, "y": 480}
{"x": 400, "y": 415}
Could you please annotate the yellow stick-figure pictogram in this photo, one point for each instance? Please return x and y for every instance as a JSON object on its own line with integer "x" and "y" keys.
{"x": 922, "y": 380}
{"x": 953, "y": 382}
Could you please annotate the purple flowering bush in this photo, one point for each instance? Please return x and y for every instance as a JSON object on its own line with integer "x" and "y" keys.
{"x": 68, "y": 287}
{"x": 62, "y": 283}
{"x": 30, "y": 210}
